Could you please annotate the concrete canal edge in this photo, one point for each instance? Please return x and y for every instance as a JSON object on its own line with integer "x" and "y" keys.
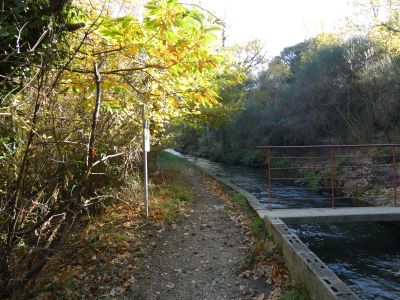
{"x": 303, "y": 265}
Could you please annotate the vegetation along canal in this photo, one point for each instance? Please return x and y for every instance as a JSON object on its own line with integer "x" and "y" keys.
{"x": 366, "y": 256}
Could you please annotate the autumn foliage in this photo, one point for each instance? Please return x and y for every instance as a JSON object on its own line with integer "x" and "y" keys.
{"x": 70, "y": 119}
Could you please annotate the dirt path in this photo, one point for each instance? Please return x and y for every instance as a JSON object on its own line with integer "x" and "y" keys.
{"x": 198, "y": 257}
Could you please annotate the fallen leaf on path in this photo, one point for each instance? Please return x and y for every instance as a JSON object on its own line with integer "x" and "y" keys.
{"x": 170, "y": 285}
{"x": 117, "y": 291}
{"x": 178, "y": 270}
{"x": 260, "y": 296}
{"x": 128, "y": 225}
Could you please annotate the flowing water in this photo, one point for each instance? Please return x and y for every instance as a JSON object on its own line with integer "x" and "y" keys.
{"x": 366, "y": 256}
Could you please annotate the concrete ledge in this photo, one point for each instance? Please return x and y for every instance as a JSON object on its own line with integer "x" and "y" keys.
{"x": 328, "y": 215}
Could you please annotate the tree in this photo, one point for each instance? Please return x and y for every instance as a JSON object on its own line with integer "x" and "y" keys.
{"x": 26, "y": 29}
{"x": 72, "y": 127}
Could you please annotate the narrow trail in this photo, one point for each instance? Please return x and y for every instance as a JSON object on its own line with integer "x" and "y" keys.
{"x": 198, "y": 257}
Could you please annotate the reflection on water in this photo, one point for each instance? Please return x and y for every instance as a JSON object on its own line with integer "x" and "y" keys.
{"x": 364, "y": 255}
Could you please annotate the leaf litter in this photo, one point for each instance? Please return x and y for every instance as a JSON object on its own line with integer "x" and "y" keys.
{"x": 102, "y": 253}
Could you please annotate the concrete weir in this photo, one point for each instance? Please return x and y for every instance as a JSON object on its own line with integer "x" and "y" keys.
{"x": 328, "y": 215}
{"x": 304, "y": 266}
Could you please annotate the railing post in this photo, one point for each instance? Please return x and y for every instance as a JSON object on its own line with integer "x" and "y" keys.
{"x": 269, "y": 181}
{"x": 394, "y": 180}
{"x": 333, "y": 177}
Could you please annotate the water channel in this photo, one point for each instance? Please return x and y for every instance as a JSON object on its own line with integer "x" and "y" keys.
{"x": 366, "y": 256}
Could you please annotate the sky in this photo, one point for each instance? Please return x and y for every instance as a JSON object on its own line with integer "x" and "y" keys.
{"x": 278, "y": 23}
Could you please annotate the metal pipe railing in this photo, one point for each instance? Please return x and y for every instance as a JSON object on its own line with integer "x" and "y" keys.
{"x": 330, "y": 146}
{"x": 332, "y": 172}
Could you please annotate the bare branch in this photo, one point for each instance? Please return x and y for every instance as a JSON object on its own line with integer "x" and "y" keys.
{"x": 107, "y": 157}
{"x": 38, "y": 41}
{"x": 19, "y": 37}
{"x": 91, "y": 149}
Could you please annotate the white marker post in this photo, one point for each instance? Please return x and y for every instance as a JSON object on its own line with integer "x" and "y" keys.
{"x": 146, "y": 148}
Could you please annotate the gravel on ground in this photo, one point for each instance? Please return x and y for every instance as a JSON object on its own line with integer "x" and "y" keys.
{"x": 198, "y": 256}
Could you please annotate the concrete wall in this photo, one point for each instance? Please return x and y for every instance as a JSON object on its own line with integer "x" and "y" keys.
{"x": 305, "y": 267}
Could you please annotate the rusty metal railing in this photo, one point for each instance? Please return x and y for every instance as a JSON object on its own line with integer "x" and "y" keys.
{"x": 369, "y": 167}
